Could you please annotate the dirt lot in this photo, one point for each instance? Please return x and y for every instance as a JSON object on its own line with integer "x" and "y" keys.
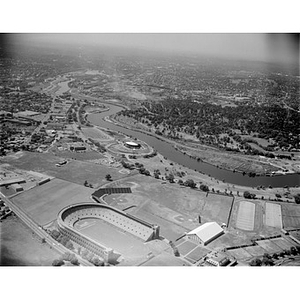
{"x": 19, "y": 247}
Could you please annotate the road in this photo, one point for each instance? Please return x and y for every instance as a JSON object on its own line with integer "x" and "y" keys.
{"x": 38, "y": 230}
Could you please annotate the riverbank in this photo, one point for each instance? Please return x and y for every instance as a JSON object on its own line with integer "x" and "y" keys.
{"x": 210, "y": 155}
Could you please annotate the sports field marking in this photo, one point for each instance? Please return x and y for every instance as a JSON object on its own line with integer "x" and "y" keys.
{"x": 273, "y": 215}
{"x": 246, "y": 214}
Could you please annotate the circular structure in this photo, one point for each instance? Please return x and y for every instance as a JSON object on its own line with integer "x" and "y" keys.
{"x": 97, "y": 226}
{"x": 132, "y": 145}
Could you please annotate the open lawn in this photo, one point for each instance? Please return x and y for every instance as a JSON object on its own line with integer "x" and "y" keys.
{"x": 43, "y": 203}
{"x": 181, "y": 200}
{"x": 290, "y": 215}
{"x": 45, "y": 163}
{"x": 19, "y": 247}
{"x": 96, "y": 134}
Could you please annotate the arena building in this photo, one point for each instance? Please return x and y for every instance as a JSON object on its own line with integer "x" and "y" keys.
{"x": 132, "y": 145}
{"x": 71, "y": 221}
{"x": 205, "y": 233}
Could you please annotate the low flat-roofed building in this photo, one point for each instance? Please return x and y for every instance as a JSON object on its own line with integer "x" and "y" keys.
{"x": 206, "y": 233}
{"x": 17, "y": 187}
{"x": 12, "y": 181}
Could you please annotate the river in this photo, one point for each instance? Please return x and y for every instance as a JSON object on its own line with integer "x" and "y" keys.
{"x": 169, "y": 152}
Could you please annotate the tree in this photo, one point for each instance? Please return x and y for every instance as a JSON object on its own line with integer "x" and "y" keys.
{"x": 255, "y": 262}
{"x": 297, "y": 198}
{"x": 69, "y": 245}
{"x": 108, "y": 177}
{"x": 57, "y": 262}
{"x": 293, "y": 251}
{"x": 204, "y": 188}
{"x": 74, "y": 261}
{"x": 180, "y": 181}
{"x": 170, "y": 178}
{"x": 190, "y": 183}
{"x": 247, "y": 195}
{"x": 55, "y": 234}
{"x": 97, "y": 262}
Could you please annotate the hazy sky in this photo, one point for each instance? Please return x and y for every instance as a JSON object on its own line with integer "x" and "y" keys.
{"x": 282, "y": 48}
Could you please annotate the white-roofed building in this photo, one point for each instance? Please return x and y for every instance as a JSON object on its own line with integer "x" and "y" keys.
{"x": 206, "y": 233}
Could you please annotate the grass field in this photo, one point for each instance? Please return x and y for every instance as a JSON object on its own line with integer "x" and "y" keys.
{"x": 273, "y": 215}
{"x": 197, "y": 253}
{"x": 283, "y": 243}
{"x": 183, "y": 201}
{"x": 96, "y": 134}
{"x": 43, "y": 203}
{"x": 269, "y": 246}
{"x": 255, "y": 250}
{"x": 18, "y": 247}
{"x": 246, "y": 214}
{"x": 186, "y": 247}
{"x": 240, "y": 253}
{"x": 45, "y": 163}
{"x": 290, "y": 215}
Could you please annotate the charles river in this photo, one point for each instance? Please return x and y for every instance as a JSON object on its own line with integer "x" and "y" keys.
{"x": 168, "y": 151}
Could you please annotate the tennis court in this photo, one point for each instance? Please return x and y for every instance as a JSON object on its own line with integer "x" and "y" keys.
{"x": 246, "y": 214}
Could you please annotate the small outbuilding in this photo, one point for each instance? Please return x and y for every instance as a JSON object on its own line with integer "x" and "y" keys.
{"x": 206, "y": 233}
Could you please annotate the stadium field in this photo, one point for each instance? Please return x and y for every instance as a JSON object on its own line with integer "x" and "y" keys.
{"x": 44, "y": 202}
{"x": 112, "y": 237}
{"x": 246, "y": 214}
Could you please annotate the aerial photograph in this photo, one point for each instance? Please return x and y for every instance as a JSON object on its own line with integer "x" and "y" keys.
{"x": 149, "y": 149}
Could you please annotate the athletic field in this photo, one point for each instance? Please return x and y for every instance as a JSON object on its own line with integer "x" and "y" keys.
{"x": 112, "y": 237}
{"x": 246, "y": 214}
{"x": 273, "y": 215}
{"x": 43, "y": 203}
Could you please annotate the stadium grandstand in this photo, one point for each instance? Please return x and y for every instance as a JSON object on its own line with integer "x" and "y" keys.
{"x": 107, "y": 191}
{"x": 71, "y": 216}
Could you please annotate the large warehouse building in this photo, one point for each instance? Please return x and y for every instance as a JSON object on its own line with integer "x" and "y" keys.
{"x": 206, "y": 233}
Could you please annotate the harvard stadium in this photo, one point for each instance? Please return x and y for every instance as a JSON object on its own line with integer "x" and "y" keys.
{"x": 94, "y": 226}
